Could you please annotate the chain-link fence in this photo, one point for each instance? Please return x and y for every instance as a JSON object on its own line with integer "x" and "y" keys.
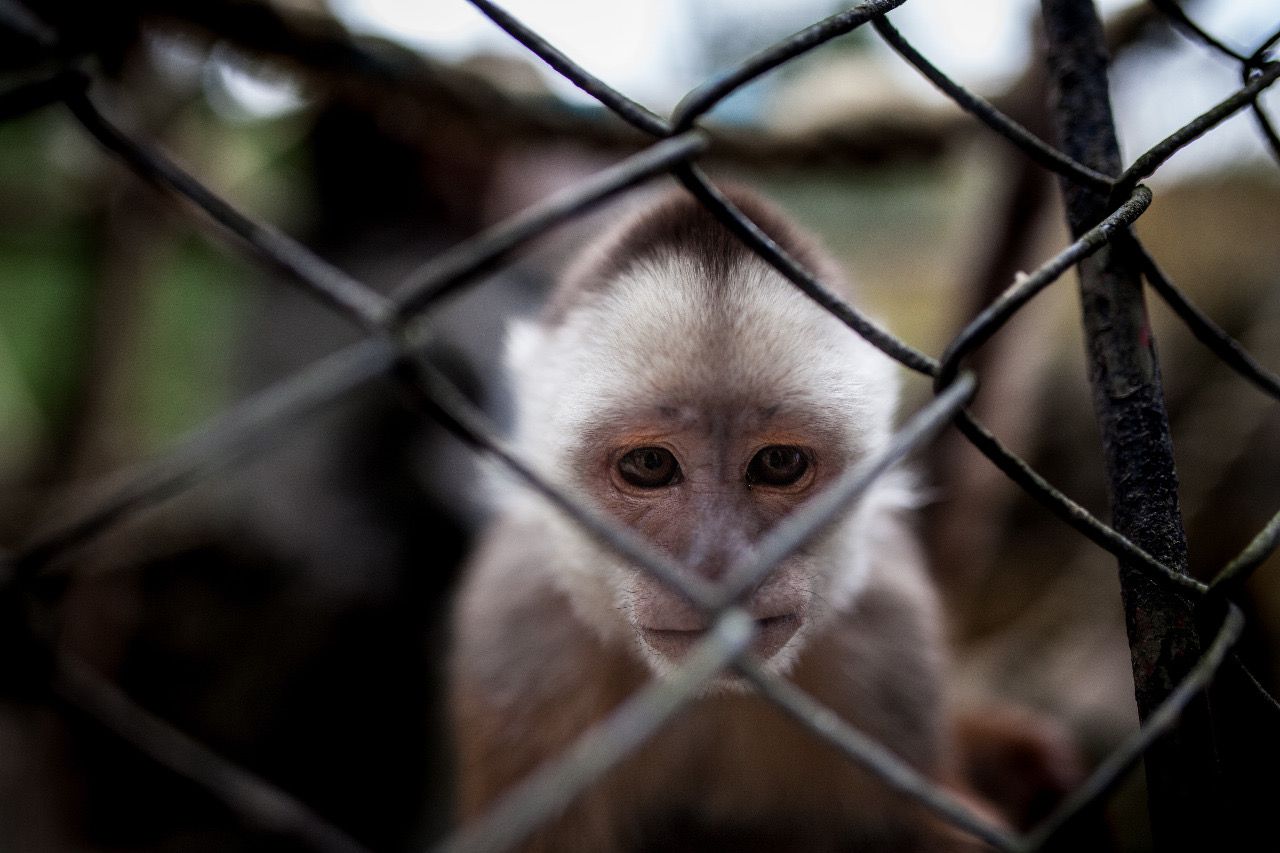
{"x": 1182, "y": 630}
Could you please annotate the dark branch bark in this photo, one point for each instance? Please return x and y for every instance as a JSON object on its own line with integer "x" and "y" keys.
{"x": 1182, "y": 774}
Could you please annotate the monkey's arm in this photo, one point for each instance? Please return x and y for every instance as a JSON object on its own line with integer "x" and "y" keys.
{"x": 526, "y": 679}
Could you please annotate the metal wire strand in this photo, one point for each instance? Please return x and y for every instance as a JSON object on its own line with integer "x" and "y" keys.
{"x": 1033, "y": 146}
{"x": 872, "y": 756}
{"x": 1181, "y": 21}
{"x": 1258, "y": 57}
{"x": 32, "y": 95}
{"x": 704, "y": 98}
{"x": 1235, "y": 573}
{"x": 1248, "y": 64}
{"x": 261, "y": 804}
{"x": 763, "y": 245}
{"x": 1026, "y": 287}
{"x": 1256, "y": 60}
{"x": 18, "y": 18}
{"x": 1156, "y": 156}
{"x": 1106, "y": 537}
{"x": 431, "y": 391}
{"x": 455, "y": 267}
{"x": 1111, "y": 771}
{"x": 552, "y": 787}
{"x": 1209, "y": 333}
{"x": 1260, "y": 117}
{"x": 250, "y": 427}
{"x": 318, "y": 278}
{"x": 1258, "y": 687}
{"x": 630, "y": 111}
{"x": 796, "y": 530}
{"x": 392, "y": 350}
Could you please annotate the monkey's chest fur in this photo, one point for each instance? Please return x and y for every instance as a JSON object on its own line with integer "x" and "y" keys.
{"x": 731, "y": 771}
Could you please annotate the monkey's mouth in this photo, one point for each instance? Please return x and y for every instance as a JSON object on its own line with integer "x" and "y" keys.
{"x": 772, "y": 633}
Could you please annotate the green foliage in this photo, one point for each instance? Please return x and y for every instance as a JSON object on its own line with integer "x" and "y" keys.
{"x": 187, "y": 334}
{"x": 45, "y": 306}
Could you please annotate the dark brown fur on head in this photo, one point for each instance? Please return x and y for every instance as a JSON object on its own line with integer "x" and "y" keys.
{"x": 677, "y": 219}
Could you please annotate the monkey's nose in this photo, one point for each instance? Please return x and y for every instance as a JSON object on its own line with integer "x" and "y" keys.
{"x": 715, "y": 561}
{"x": 712, "y": 569}
{"x": 718, "y": 543}
{"x": 772, "y": 633}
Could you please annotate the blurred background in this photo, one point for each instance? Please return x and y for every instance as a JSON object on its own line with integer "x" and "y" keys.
{"x": 290, "y": 612}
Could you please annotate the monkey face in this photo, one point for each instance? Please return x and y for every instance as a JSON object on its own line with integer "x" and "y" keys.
{"x": 700, "y": 418}
{"x": 704, "y": 481}
{"x": 697, "y": 397}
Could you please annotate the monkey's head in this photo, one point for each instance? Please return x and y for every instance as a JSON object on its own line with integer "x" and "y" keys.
{"x": 684, "y": 387}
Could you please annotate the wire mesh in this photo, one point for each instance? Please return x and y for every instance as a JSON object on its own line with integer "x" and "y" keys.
{"x": 396, "y": 336}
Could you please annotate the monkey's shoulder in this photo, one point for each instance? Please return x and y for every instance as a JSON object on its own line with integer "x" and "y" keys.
{"x": 516, "y": 636}
{"x": 526, "y": 675}
{"x": 879, "y": 665}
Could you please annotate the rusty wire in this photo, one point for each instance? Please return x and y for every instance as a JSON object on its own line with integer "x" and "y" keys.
{"x": 392, "y": 352}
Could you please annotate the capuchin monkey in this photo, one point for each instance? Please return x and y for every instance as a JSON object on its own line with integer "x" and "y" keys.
{"x": 682, "y": 386}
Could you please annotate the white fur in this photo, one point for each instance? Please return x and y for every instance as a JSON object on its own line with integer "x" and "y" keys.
{"x": 651, "y": 327}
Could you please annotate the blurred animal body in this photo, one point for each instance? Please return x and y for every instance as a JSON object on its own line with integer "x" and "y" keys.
{"x": 682, "y": 386}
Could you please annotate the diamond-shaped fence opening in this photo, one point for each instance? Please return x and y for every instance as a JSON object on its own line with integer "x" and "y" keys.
{"x": 1190, "y": 626}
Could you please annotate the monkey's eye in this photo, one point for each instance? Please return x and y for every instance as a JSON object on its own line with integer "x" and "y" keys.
{"x": 649, "y": 467}
{"x": 777, "y": 465}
